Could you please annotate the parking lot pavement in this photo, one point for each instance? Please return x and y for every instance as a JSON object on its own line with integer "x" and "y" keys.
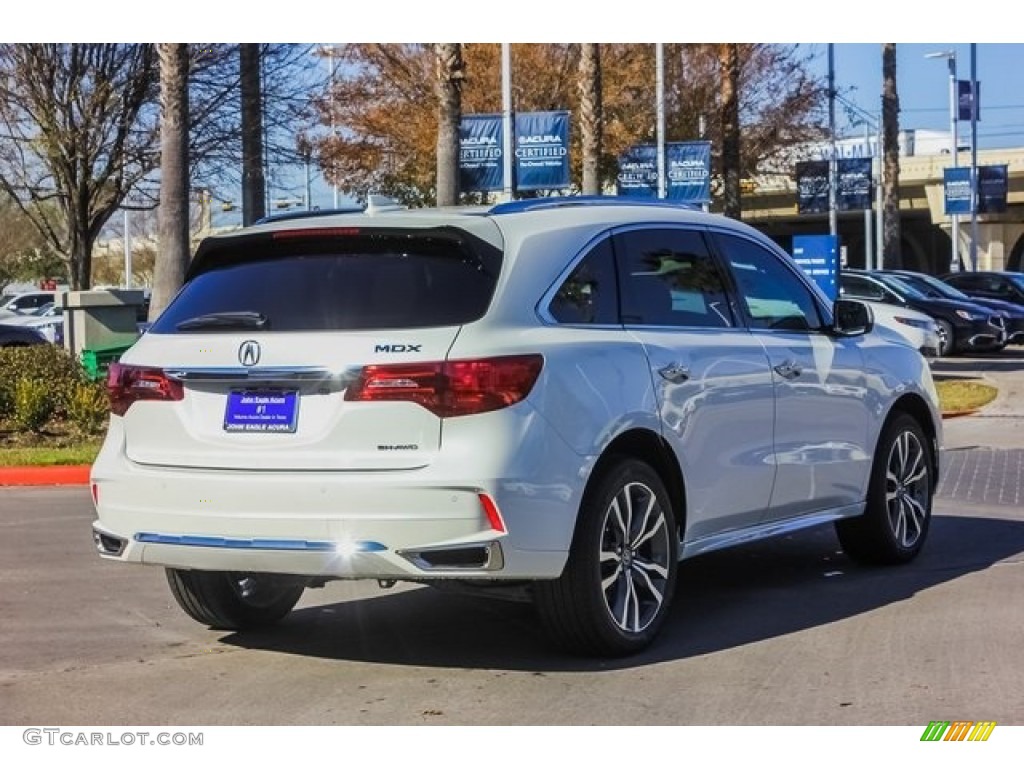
{"x": 988, "y": 476}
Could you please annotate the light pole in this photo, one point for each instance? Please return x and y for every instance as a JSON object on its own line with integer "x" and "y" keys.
{"x": 875, "y": 121}
{"x": 950, "y": 57}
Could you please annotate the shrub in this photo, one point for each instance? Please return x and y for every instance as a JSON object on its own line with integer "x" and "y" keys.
{"x": 47, "y": 364}
{"x": 89, "y": 407}
{"x": 33, "y": 404}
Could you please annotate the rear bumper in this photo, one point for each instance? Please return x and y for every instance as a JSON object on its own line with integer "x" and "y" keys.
{"x": 412, "y": 525}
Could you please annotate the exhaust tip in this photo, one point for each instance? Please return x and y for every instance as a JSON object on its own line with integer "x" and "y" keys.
{"x": 478, "y": 557}
{"x": 109, "y": 545}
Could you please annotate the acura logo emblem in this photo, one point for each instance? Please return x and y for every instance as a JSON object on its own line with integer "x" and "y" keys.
{"x": 249, "y": 353}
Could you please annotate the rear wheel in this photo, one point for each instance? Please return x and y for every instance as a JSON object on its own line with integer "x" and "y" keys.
{"x": 235, "y": 600}
{"x": 895, "y": 522}
{"x": 614, "y": 594}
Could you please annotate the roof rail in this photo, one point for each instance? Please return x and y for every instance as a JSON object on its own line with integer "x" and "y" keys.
{"x": 569, "y": 201}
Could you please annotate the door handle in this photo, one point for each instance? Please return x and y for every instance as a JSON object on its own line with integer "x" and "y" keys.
{"x": 789, "y": 369}
{"x": 675, "y": 372}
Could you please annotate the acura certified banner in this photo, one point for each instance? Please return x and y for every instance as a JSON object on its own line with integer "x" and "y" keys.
{"x": 480, "y": 163}
{"x": 812, "y": 186}
{"x": 854, "y": 191}
{"x": 638, "y": 171}
{"x": 688, "y": 164}
{"x": 542, "y": 150}
{"x": 993, "y": 183}
{"x": 956, "y": 190}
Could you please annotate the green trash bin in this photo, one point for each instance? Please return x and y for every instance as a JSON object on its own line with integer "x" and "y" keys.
{"x": 96, "y": 361}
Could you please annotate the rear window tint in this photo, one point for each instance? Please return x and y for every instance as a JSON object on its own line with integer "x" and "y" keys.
{"x": 301, "y": 286}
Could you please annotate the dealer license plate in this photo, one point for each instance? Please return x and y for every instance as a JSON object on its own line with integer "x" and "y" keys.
{"x": 261, "y": 411}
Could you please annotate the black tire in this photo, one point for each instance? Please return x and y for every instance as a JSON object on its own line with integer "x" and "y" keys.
{"x": 895, "y": 522}
{"x": 232, "y": 600}
{"x": 612, "y": 598}
{"x": 947, "y": 338}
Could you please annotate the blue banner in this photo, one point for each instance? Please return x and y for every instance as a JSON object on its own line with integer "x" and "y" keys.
{"x": 480, "y": 163}
{"x": 688, "y": 165}
{"x": 638, "y": 171}
{"x": 965, "y": 100}
{"x": 956, "y": 185}
{"x": 812, "y": 186}
{"x": 818, "y": 257}
{"x": 542, "y": 150}
{"x": 854, "y": 188}
{"x": 993, "y": 183}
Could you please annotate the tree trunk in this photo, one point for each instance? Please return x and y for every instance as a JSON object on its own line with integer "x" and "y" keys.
{"x": 591, "y": 116}
{"x": 174, "y": 253}
{"x": 451, "y": 73}
{"x": 729, "y": 65}
{"x": 891, "y": 159}
{"x": 254, "y": 202}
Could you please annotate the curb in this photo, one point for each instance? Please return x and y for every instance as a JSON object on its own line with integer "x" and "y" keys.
{"x": 75, "y": 474}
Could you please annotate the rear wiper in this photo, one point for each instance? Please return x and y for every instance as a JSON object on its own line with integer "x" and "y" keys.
{"x": 224, "y": 320}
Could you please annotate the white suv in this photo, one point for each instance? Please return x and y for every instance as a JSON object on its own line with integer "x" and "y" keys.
{"x": 562, "y": 397}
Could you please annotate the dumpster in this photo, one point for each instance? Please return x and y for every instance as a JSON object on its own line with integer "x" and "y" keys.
{"x": 96, "y": 361}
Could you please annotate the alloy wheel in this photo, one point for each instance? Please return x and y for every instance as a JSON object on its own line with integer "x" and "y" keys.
{"x": 907, "y": 489}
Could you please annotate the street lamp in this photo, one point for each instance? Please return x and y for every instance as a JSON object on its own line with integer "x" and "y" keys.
{"x": 950, "y": 57}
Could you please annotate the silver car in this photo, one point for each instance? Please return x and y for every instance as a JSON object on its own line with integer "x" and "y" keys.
{"x": 557, "y": 398}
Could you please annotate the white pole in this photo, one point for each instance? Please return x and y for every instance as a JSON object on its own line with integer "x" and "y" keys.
{"x": 869, "y": 256}
{"x": 330, "y": 63}
{"x": 833, "y": 216}
{"x": 878, "y": 196}
{"x": 506, "y": 118}
{"x": 974, "y": 156}
{"x": 659, "y": 55}
{"x": 127, "y": 252}
{"x": 955, "y": 155}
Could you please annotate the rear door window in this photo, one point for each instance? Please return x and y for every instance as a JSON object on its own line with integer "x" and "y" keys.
{"x": 669, "y": 278}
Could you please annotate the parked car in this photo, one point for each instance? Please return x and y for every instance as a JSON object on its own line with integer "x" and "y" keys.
{"x": 962, "y": 325}
{"x": 916, "y": 328}
{"x": 27, "y": 301}
{"x": 19, "y": 336}
{"x": 929, "y": 285}
{"x": 47, "y": 319}
{"x": 1005, "y": 286}
{"x": 553, "y": 399}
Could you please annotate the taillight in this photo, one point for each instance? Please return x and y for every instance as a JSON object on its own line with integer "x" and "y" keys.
{"x": 128, "y": 383}
{"x": 451, "y": 388}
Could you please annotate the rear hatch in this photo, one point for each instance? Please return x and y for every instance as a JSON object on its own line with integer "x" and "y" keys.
{"x": 305, "y": 349}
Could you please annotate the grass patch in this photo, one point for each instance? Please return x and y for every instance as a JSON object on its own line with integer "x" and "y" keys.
{"x": 961, "y": 396}
{"x": 60, "y": 442}
{"x": 48, "y": 457}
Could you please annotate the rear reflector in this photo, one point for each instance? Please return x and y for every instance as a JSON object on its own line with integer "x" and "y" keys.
{"x": 493, "y": 515}
{"x": 450, "y": 388}
{"x": 129, "y": 383}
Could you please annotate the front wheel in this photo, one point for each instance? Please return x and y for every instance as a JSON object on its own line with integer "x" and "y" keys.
{"x": 947, "y": 338}
{"x": 895, "y": 522}
{"x": 234, "y": 600}
{"x": 614, "y": 593}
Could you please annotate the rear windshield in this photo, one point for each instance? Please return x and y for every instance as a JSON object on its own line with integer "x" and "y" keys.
{"x": 305, "y": 285}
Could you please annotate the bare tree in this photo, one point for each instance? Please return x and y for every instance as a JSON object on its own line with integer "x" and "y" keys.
{"x": 591, "y": 116}
{"x": 75, "y": 137}
{"x": 451, "y": 72}
{"x": 175, "y": 252}
{"x": 891, "y": 160}
{"x": 729, "y": 67}
{"x": 254, "y": 204}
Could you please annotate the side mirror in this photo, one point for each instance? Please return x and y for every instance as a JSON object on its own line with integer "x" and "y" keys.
{"x": 851, "y": 318}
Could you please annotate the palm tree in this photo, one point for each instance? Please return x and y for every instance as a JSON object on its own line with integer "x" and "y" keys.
{"x": 729, "y": 66}
{"x": 254, "y": 202}
{"x": 451, "y": 72}
{"x": 591, "y": 116}
{"x": 174, "y": 255}
{"x": 891, "y": 160}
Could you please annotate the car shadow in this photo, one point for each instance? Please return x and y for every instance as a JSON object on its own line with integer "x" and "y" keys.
{"x": 724, "y": 600}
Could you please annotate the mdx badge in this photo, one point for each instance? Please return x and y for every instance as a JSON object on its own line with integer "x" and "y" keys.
{"x": 249, "y": 353}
